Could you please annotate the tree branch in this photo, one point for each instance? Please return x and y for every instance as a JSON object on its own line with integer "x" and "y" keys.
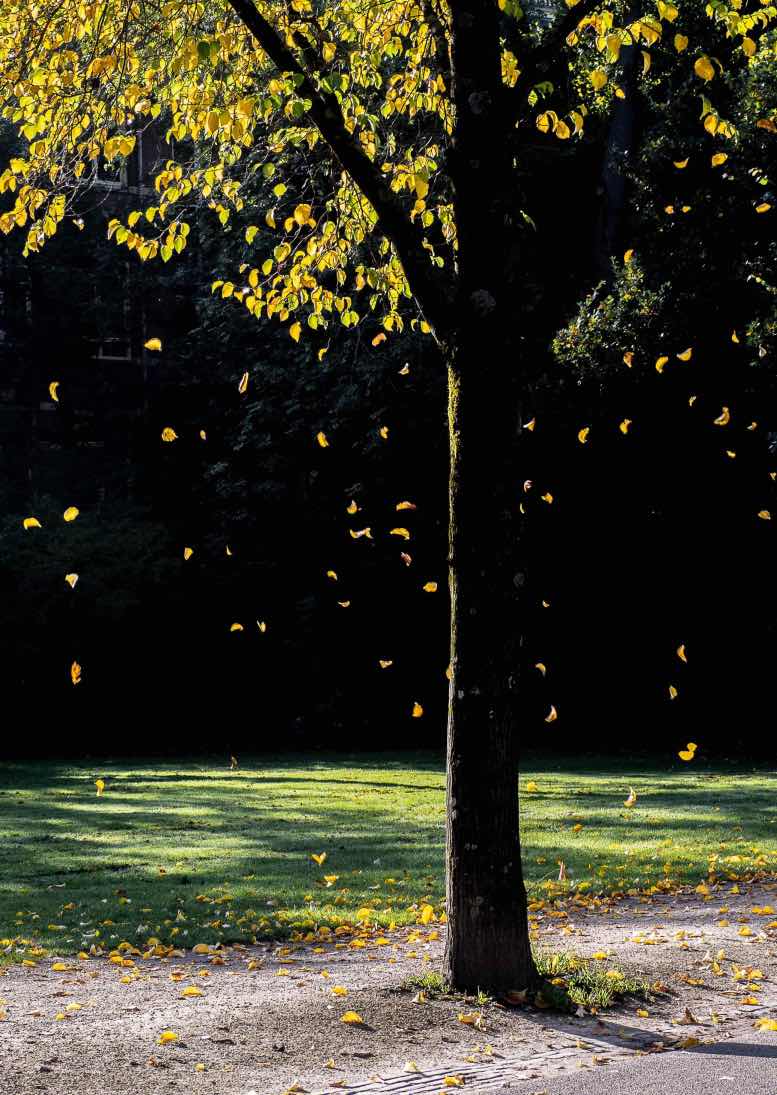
{"x": 326, "y": 114}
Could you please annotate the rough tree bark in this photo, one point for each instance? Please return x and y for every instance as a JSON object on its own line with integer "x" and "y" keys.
{"x": 488, "y": 940}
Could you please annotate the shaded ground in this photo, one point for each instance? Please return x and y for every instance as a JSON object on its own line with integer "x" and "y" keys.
{"x": 268, "y": 1018}
{"x": 193, "y": 852}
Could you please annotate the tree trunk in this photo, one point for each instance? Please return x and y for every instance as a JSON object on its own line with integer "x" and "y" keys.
{"x": 488, "y": 939}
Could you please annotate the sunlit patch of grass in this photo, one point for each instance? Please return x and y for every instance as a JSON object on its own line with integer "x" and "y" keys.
{"x": 189, "y": 851}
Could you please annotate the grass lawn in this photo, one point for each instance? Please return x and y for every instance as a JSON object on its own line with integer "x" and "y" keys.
{"x": 192, "y": 852}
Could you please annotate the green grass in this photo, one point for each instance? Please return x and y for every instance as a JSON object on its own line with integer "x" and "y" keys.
{"x": 165, "y": 834}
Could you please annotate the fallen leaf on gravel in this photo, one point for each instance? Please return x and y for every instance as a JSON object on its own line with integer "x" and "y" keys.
{"x": 687, "y": 1019}
{"x": 192, "y": 990}
{"x": 687, "y": 1043}
{"x": 765, "y": 1024}
{"x": 167, "y": 1036}
{"x": 471, "y": 1019}
{"x": 453, "y": 1081}
{"x": 642, "y": 1013}
{"x": 351, "y": 1017}
{"x": 339, "y": 990}
{"x": 420, "y": 998}
{"x": 411, "y": 1066}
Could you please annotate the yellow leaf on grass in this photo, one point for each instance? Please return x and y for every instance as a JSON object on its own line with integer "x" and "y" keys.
{"x": 351, "y": 1017}
{"x": 632, "y": 799}
{"x": 100, "y": 785}
{"x": 153, "y": 344}
{"x": 71, "y": 580}
{"x": 417, "y": 710}
{"x": 169, "y": 434}
{"x": 75, "y": 673}
{"x": 319, "y": 859}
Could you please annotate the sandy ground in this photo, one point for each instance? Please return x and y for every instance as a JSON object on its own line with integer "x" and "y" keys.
{"x": 263, "y": 1029}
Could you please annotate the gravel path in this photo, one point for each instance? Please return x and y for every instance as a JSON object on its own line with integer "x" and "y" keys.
{"x": 263, "y": 1019}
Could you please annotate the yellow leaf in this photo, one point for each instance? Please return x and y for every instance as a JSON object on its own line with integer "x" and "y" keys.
{"x": 598, "y": 78}
{"x": 660, "y": 364}
{"x": 403, "y": 532}
{"x": 430, "y": 587}
{"x": 704, "y": 69}
{"x": 765, "y": 515}
{"x": 71, "y": 513}
{"x": 351, "y": 1017}
{"x": 203, "y": 435}
{"x": 723, "y": 418}
{"x": 411, "y": 1066}
{"x": 53, "y": 390}
{"x": 187, "y": 553}
{"x": 295, "y": 331}
{"x": 680, "y": 43}
{"x": 582, "y": 435}
{"x": 672, "y": 692}
{"x": 344, "y": 604}
{"x": 321, "y": 438}
{"x": 764, "y": 207}
{"x": 628, "y": 255}
{"x": 766, "y": 1024}
{"x": 688, "y": 752}
{"x": 628, "y": 358}
{"x": 236, "y": 627}
{"x": 531, "y": 787}
{"x": 624, "y": 426}
{"x": 318, "y": 859}
{"x": 470, "y": 1018}
{"x": 718, "y": 159}
{"x": 685, "y": 355}
{"x": 169, "y": 434}
{"x": 405, "y": 369}
{"x": 201, "y": 948}
{"x": 453, "y": 1081}
{"x": 542, "y": 668}
{"x": 645, "y": 61}
{"x": 748, "y": 47}
{"x": 75, "y": 673}
{"x": 681, "y": 653}
{"x": 405, "y": 505}
{"x": 417, "y": 710}
{"x": 384, "y": 432}
{"x": 166, "y": 1037}
{"x": 384, "y": 663}
{"x": 357, "y": 534}
{"x": 552, "y": 714}
{"x": 530, "y": 424}
{"x": 680, "y": 164}
{"x": 380, "y": 337}
{"x": 100, "y": 785}
{"x": 71, "y": 580}
{"x": 691, "y": 400}
{"x": 547, "y": 497}
{"x": 302, "y": 214}
{"x": 632, "y": 799}
{"x": 339, "y": 990}
{"x": 243, "y": 385}
{"x": 153, "y": 344}
{"x": 31, "y": 522}
{"x": 332, "y": 574}
{"x": 642, "y": 1013}
{"x": 192, "y": 990}
{"x": 577, "y": 828}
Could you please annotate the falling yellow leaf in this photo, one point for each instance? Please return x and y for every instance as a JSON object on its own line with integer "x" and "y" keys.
{"x": 233, "y": 764}
{"x": 228, "y": 550}
{"x": 628, "y": 358}
{"x": 631, "y": 800}
{"x": 681, "y": 653}
{"x": 100, "y": 785}
{"x": 689, "y": 751}
{"x": 166, "y": 1037}
{"x": 660, "y": 364}
{"x": 319, "y": 859}
{"x": 577, "y": 828}
{"x": 430, "y": 587}
{"x": 704, "y": 69}
{"x": 691, "y": 400}
{"x": 380, "y": 337}
{"x": 731, "y": 454}
{"x": 192, "y": 990}
{"x": 530, "y": 424}
{"x": 75, "y": 673}
{"x": 547, "y": 497}
{"x": 53, "y": 390}
{"x": 624, "y": 426}
{"x": 357, "y": 534}
{"x": 405, "y": 505}
{"x": 417, "y": 710}
{"x": 384, "y": 432}
{"x": 236, "y": 627}
{"x": 153, "y": 344}
{"x": 582, "y": 435}
{"x": 295, "y": 331}
{"x": 169, "y": 434}
{"x": 243, "y": 385}
{"x": 680, "y": 164}
{"x": 628, "y": 255}
{"x": 598, "y": 79}
{"x": 685, "y": 355}
{"x": 403, "y": 532}
{"x": 71, "y": 513}
{"x": 187, "y": 553}
{"x": 542, "y": 667}
{"x": 723, "y": 418}
{"x": 384, "y": 663}
{"x": 718, "y": 159}
{"x": 351, "y": 1017}
{"x": 405, "y": 369}
{"x": 31, "y": 522}
{"x": 71, "y": 580}
{"x": 552, "y": 714}
{"x": 672, "y": 692}
{"x": 764, "y": 207}
{"x": 765, "y": 515}
{"x": 752, "y": 426}
{"x": 332, "y": 574}
{"x": 344, "y": 604}
{"x": 321, "y": 438}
